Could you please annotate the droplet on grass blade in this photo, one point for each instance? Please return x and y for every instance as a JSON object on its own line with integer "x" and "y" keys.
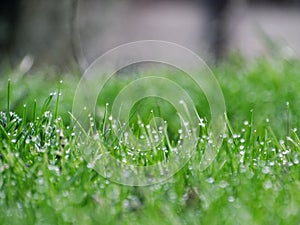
{"x": 266, "y": 170}
{"x": 231, "y": 199}
{"x": 267, "y": 184}
{"x": 210, "y": 180}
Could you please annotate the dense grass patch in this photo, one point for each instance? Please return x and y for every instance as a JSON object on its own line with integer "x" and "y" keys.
{"x": 254, "y": 179}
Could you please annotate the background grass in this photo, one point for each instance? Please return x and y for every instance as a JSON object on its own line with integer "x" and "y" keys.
{"x": 255, "y": 178}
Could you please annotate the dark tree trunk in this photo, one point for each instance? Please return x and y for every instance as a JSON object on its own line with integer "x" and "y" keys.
{"x": 9, "y": 17}
{"x": 217, "y": 27}
{"x": 43, "y": 30}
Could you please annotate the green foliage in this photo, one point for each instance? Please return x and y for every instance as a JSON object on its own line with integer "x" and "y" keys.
{"x": 254, "y": 179}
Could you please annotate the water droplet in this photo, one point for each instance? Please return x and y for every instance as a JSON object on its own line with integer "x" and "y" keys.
{"x": 231, "y": 199}
{"x": 267, "y": 184}
{"x": 210, "y": 180}
{"x": 266, "y": 170}
{"x": 230, "y": 141}
{"x": 90, "y": 165}
{"x": 54, "y": 168}
{"x": 41, "y": 181}
{"x": 235, "y": 136}
{"x": 223, "y": 184}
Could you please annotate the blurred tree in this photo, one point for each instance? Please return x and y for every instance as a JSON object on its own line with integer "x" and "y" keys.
{"x": 217, "y": 27}
{"x": 9, "y": 15}
{"x": 276, "y": 2}
{"x": 39, "y": 28}
{"x": 44, "y": 29}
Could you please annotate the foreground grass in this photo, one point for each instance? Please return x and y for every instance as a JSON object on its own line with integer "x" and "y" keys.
{"x": 255, "y": 178}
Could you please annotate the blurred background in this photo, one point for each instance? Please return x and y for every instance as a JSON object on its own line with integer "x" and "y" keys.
{"x": 76, "y": 32}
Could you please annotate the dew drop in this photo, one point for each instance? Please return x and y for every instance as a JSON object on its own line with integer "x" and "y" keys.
{"x": 210, "y": 180}
{"x": 231, "y": 199}
{"x": 267, "y": 184}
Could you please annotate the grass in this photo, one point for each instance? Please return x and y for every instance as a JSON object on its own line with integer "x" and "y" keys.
{"x": 254, "y": 179}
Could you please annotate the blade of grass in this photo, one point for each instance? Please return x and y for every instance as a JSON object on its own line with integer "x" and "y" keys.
{"x": 8, "y": 100}
{"x": 58, "y": 99}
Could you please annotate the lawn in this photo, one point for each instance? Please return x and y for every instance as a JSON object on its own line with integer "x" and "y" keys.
{"x": 254, "y": 179}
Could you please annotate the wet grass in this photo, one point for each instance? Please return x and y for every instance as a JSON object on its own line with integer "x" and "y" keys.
{"x": 255, "y": 178}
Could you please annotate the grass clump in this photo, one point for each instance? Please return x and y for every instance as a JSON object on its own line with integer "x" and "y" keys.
{"x": 254, "y": 179}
